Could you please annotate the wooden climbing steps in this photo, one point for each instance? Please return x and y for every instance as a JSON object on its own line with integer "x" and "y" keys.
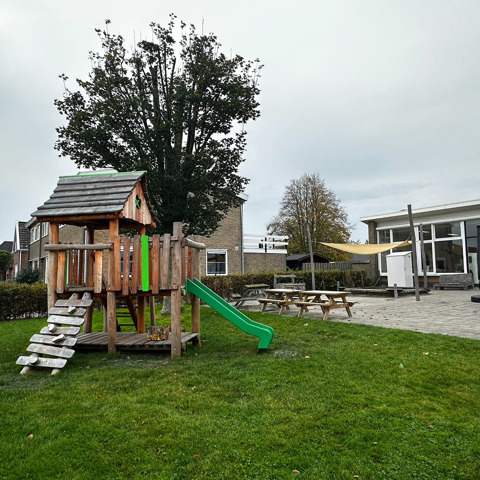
{"x": 54, "y": 344}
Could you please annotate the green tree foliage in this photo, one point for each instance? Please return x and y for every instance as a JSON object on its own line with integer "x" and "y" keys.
{"x": 307, "y": 201}
{"x": 27, "y": 275}
{"x": 6, "y": 259}
{"x": 174, "y": 109}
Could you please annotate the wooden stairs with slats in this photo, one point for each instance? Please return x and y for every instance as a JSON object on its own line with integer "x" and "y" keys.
{"x": 54, "y": 345}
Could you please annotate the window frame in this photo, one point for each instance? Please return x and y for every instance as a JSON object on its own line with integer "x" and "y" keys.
{"x": 432, "y": 241}
{"x": 222, "y": 251}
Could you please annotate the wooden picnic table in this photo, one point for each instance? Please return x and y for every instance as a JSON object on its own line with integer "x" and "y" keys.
{"x": 326, "y": 300}
{"x": 281, "y": 297}
{"x": 252, "y": 292}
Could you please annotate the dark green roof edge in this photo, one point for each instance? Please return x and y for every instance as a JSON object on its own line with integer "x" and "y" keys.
{"x": 100, "y": 174}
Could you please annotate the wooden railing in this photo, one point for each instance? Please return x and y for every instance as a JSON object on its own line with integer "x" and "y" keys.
{"x": 135, "y": 265}
{"x": 79, "y": 267}
{"x": 147, "y": 265}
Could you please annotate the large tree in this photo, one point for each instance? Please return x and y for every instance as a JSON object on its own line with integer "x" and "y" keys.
{"x": 176, "y": 109}
{"x": 307, "y": 201}
{"x": 6, "y": 259}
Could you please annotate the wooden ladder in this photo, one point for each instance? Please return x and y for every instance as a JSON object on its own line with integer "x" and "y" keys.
{"x": 54, "y": 345}
{"x": 126, "y": 304}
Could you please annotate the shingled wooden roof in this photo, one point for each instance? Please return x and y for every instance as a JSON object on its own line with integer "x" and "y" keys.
{"x": 94, "y": 197}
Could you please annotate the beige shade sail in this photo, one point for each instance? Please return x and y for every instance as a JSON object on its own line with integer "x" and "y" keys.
{"x": 366, "y": 249}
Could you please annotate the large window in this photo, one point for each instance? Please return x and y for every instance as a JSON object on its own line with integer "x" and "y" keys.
{"x": 443, "y": 243}
{"x": 445, "y": 230}
{"x": 449, "y": 257}
{"x": 217, "y": 262}
{"x": 471, "y": 228}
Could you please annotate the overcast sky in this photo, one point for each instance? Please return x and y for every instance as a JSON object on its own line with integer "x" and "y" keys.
{"x": 380, "y": 98}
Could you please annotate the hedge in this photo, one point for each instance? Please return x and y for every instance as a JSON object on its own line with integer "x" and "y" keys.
{"x": 227, "y": 285}
{"x": 21, "y": 300}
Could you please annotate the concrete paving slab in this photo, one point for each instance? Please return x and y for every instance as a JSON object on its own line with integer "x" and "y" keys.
{"x": 445, "y": 312}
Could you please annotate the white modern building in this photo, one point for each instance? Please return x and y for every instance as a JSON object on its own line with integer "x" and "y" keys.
{"x": 451, "y": 237}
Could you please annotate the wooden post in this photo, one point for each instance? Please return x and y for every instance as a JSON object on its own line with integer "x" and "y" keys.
{"x": 155, "y": 264}
{"x": 98, "y": 271}
{"x": 126, "y": 266}
{"x": 90, "y": 256}
{"x": 153, "y": 319}
{"x": 112, "y": 321}
{"x": 176, "y": 293}
{"x": 87, "y": 326}
{"x": 111, "y": 295}
{"x": 195, "y": 273}
{"x": 414, "y": 254}
{"x": 141, "y": 314}
{"x": 165, "y": 262}
{"x": 135, "y": 264}
{"x": 61, "y": 262}
{"x": 52, "y": 266}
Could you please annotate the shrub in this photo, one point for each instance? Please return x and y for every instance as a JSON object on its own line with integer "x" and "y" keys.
{"x": 227, "y": 285}
{"x": 21, "y": 300}
{"x": 27, "y": 276}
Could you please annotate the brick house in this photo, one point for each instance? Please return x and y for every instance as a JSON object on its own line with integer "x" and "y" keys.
{"x": 20, "y": 248}
{"x": 230, "y": 251}
{"x": 38, "y": 235}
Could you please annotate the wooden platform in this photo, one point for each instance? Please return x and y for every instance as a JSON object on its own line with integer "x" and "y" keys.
{"x": 129, "y": 341}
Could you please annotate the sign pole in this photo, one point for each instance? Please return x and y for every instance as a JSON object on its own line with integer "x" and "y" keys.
{"x": 312, "y": 266}
{"x": 414, "y": 254}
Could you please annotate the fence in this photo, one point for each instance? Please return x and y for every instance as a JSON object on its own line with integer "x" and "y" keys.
{"x": 340, "y": 266}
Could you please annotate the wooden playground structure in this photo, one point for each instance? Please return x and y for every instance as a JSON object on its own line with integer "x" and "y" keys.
{"x": 121, "y": 270}
{"x": 124, "y": 271}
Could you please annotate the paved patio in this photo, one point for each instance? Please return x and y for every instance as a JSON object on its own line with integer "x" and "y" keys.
{"x": 446, "y": 312}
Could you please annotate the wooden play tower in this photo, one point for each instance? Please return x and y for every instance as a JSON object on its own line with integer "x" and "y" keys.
{"x": 133, "y": 270}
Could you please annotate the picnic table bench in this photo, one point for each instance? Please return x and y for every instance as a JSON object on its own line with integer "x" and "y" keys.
{"x": 281, "y": 297}
{"x": 252, "y": 292}
{"x": 332, "y": 300}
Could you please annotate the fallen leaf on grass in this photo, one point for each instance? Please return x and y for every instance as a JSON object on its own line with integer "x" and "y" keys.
{"x": 425, "y": 353}
{"x": 295, "y": 472}
{"x": 305, "y": 324}
{"x": 431, "y": 427}
{"x": 307, "y": 356}
{"x": 30, "y": 436}
{"x": 196, "y": 456}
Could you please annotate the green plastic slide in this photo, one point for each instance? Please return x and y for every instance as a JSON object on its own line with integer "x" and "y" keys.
{"x": 263, "y": 332}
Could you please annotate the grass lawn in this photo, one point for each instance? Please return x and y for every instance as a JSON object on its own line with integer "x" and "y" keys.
{"x": 327, "y": 401}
